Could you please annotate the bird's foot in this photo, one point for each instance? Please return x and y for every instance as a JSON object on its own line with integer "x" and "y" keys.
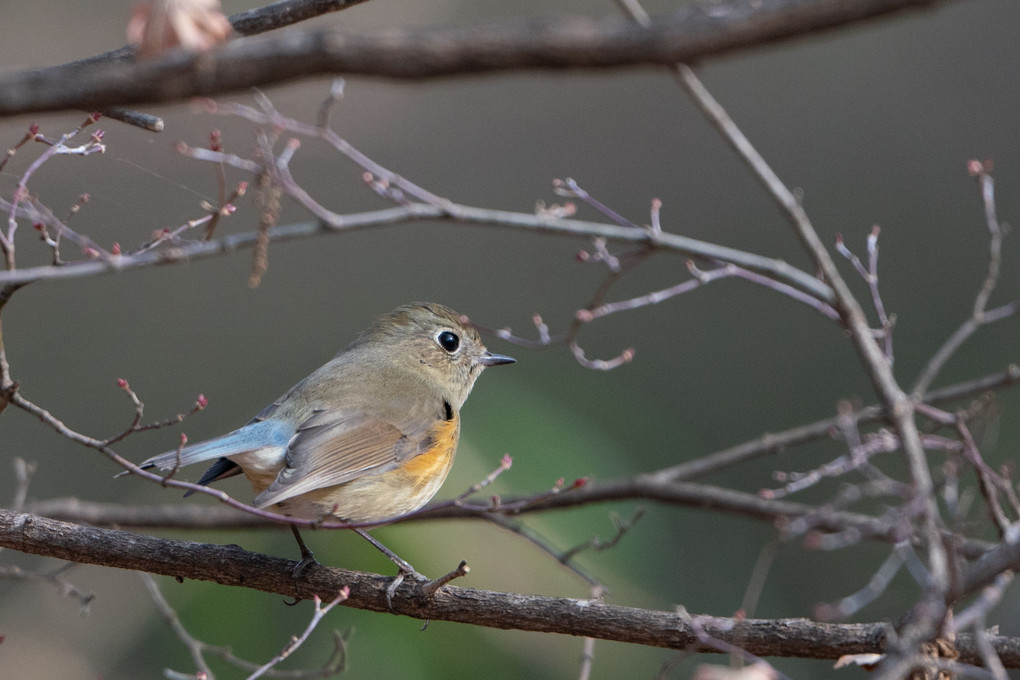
{"x": 404, "y": 571}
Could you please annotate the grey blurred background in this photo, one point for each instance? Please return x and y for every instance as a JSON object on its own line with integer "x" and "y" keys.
{"x": 874, "y": 124}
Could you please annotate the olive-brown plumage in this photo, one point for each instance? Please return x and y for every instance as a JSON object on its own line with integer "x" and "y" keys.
{"x": 368, "y": 436}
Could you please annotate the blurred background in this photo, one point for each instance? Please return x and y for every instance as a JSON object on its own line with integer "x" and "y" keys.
{"x": 873, "y": 124}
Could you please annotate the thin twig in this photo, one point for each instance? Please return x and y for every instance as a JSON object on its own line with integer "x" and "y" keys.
{"x": 195, "y": 647}
{"x": 980, "y": 315}
{"x": 54, "y": 578}
{"x": 317, "y": 616}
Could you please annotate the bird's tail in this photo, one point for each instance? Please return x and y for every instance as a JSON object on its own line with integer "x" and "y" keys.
{"x": 261, "y": 434}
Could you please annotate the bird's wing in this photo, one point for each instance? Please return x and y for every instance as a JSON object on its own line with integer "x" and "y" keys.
{"x": 336, "y": 446}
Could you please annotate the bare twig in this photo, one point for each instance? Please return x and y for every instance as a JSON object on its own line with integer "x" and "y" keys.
{"x": 980, "y": 315}
{"x": 432, "y": 587}
{"x": 411, "y": 214}
{"x": 877, "y": 364}
{"x": 901, "y": 555}
{"x": 597, "y": 544}
{"x": 195, "y": 647}
{"x": 587, "y": 658}
{"x": 200, "y": 403}
{"x": 23, "y": 472}
{"x": 56, "y": 579}
{"x": 320, "y": 612}
{"x": 870, "y": 276}
{"x": 198, "y": 649}
{"x": 771, "y": 444}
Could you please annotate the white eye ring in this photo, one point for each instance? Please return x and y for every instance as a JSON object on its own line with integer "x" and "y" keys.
{"x": 448, "y": 340}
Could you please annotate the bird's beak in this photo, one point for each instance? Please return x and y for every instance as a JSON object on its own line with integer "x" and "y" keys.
{"x": 490, "y": 359}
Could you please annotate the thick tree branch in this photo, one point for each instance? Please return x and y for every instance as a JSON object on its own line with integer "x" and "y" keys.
{"x": 696, "y": 32}
{"x": 231, "y": 565}
{"x": 251, "y": 22}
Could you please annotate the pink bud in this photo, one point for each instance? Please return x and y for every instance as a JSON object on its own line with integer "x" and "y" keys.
{"x": 201, "y": 401}
{"x": 122, "y": 384}
{"x": 825, "y": 612}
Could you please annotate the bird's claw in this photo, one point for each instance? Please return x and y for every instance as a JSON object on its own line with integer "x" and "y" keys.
{"x": 305, "y": 562}
{"x": 405, "y": 571}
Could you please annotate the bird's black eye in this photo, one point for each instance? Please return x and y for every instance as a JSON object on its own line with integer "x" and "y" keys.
{"x": 448, "y": 341}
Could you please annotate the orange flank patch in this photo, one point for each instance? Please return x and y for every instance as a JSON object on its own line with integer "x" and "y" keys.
{"x": 434, "y": 463}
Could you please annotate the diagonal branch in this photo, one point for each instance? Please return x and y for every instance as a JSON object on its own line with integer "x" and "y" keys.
{"x": 186, "y": 251}
{"x": 929, "y": 615}
{"x": 701, "y": 30}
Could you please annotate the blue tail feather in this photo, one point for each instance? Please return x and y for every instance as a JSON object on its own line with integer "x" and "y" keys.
{"x": 253, "y": 436}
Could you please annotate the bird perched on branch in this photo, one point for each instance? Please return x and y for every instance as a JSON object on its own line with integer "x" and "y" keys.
{"x": 369, "y": 436}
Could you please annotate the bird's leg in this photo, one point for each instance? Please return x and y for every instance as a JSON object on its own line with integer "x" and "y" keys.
{"x": 404, "y": 568}
{"x": 307, "y": 557}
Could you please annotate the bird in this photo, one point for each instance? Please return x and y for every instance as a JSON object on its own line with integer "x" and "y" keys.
{"x": 368, "y": 436}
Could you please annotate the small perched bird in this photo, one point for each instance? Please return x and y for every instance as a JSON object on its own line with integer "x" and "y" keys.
{"x": 368, "y": 436}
